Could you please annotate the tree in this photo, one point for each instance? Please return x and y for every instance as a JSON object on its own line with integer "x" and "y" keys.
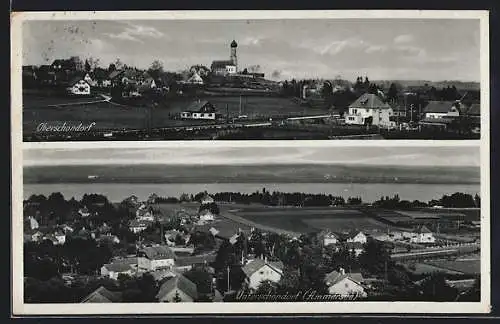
{"x": 375, "y": 259}
{"x": 435, "y": 288}
{"x": 156, "y": 69}
{"x": 393, "y": 92}
{"x": 111, "y": 67}
{"x": 87, "y": 66}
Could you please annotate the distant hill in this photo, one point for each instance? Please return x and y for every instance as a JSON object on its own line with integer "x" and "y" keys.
{"x": 460, "y": 85}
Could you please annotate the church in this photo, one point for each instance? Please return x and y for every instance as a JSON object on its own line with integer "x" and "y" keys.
{"x": 226, "y": 67}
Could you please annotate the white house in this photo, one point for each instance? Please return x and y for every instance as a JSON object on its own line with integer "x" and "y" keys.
{"x": 330, "y": 238}
{"x": 439, "y": 109}
{"x": 137, "y": 227}
{"x": 78, "y": 86}
{"x": 369, "y": 109}
{"x": 195, "y": 79}
{"x": 33, "y": 223}
{"x": 145, "y": 216}
{"x": 207, "y": 199}
{"x": 345, "y": 284}
{"x": 155, "y": 257}
{"x": 89, "y": 80}
{"x": 113, "y": 270}
{"x": 357, "y": 237}
{"x": 84, "y": 212}
{"x": 206, "y": 215}
{"x": 423, "y": 235}
{"x": 37, "y": 236}
{"x": 199, "y": 110}
{"x": 60, "y": 237}
{"x": 258, "y": 270}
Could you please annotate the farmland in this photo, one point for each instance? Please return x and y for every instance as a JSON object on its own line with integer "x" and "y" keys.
{"x": 305, "y": 220}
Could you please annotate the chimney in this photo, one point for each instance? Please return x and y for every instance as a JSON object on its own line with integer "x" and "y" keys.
{"x": 342, "y": 271}
{"x": 265, "y": 259}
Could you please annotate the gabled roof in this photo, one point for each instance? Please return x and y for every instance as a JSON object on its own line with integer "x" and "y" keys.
{"x": 423, "y": 229}
{"x": 254, "y": 266}
{"x": 196, "y": 106}
{"x": 221, "y": 64}
{"x": 103, "y": 295}
{"x": 334, "y": 277}
{"x": 115, "y": 73}
{"x": 75, "y": 80}
{"x": 439, "y": 106}
{"x": 369, "y": 101}
{"x": 178, "y": 282}
{"x": 197, "y": 259}
{"x": 158, "y": 252}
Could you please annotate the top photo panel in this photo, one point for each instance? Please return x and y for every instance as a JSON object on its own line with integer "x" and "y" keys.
{"x": 227, "y": 77}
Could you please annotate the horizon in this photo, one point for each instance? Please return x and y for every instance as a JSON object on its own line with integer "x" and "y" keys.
{"x": 435, "y": 50}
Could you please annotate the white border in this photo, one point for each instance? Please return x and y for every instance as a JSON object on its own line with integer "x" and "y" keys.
{"x": 19, "y": 308}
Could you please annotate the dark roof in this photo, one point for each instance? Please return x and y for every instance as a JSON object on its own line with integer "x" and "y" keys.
{"x": 369, "y": 101}
{"x": 254, "y": 265}
{"x": 196, "y": 259}
{"x": 75, "y": 80}
{"x": 103, "y": 295}
{"x": 439, "y": 106}
{"x": 197, "y": 106}
{"x": 221, "y": 64}
{"x": 334, "y": 277}
{"x": 158, "y": 252}
{"x": 178, "y": 282}
{"x": 115, "y": 73}
{"x": 423, "y": 229}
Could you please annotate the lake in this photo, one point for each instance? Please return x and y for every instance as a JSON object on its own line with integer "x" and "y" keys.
{"x": 369, "y": 192}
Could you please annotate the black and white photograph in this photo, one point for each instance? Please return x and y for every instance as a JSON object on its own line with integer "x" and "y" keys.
{"x": 250, "y": 162}
{"x": 303, "y": 224}
{"x": 250, "y": 79}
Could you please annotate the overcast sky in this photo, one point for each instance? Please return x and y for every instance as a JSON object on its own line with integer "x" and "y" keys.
{"x": 409, "y": 49}
{"x": 370, "y": 155}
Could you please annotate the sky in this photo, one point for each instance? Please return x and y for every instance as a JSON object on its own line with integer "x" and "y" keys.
{"x": 383, "y": 49}
{"x": 369, "y": 155}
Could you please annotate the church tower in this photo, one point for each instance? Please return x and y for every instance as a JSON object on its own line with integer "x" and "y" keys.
{"x": 233, "y": 56}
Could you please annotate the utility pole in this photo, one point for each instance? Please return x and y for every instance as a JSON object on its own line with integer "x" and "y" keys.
{"x": 228, "y": 281}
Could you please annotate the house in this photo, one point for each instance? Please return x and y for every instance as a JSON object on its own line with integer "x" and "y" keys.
{"x": 142, "y": 216}
{"x": 160, "y": 275}
{"x": 137, "y": 226}
{"x": 103, "y": 295}
{"x": 155, "y": 257}
{"x": 207, "y": 199}
{"x": 109, "y": 238}
{"x": 329, "y": 238}
{"x": 178, "y": 289}
{"x": 113, "y": 270}
{"x": 84, "y": 212}
{"x": 90, "y": 80}
{"x": 60, "y": 237}
{"x": 37, "y": 236}
{"x": 440, "y": 109}
{"x": 422, "y": 235}
{"x": 183, "y": 264}
{"x": 369, "y": 109}
{"x": 259, "y": 270}
{"x": 206, "y": 215}
{"x": 78, "y": 86}
{"x": 356, "y": 236}
{"x": 345, "y": 284}
{"x": 195, "y": 79}
{"x": 199, "y": 110}
{"x": 223, "y": 67}
{"x": 33, "y": 223}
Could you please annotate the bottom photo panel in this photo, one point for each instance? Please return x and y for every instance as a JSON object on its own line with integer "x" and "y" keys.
{"x": 246, "y": 224}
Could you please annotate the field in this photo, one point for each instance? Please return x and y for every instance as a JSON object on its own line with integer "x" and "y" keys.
{"x": 113, "y": 116}
{"x": 305, "y": 220}
{"x": 466, "y": 266}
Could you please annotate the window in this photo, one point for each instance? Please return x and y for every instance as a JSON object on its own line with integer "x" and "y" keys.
{"x": 367, "y": 110}
{"x": 261, "y": 272}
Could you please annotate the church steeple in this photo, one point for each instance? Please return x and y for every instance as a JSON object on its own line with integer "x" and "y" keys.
{"x": 233, "y": 56}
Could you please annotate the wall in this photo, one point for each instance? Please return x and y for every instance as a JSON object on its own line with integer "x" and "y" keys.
{"x": 346, "y": 287}
{"x": 268, "y": 274}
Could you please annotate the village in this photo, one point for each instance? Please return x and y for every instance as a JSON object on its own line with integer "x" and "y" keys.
{"x": 198, "y": 248}
{"x": 226, "y": 101}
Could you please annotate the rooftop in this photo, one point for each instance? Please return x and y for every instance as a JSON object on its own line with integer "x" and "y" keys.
{"x": 103, "y": 295}
{"x": 178, "y": 282}
{"x": 254, "y": 265}
{"x": 369, "y": 101}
